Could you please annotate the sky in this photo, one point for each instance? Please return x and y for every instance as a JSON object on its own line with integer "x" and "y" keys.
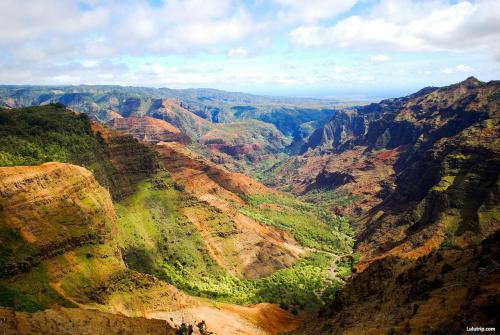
{"x": 352, "y": 49}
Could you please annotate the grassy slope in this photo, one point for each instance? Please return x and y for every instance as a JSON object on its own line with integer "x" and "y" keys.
{"x": 312, "y": 225}
{"x": 159, "y": 240}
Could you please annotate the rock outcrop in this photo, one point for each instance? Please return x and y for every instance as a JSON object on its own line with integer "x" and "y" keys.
{"x": 148, "y": 129}
{"x": 130, "y": 161}
{"x": 171, "y": 111}
{"x": 47, "y": 210}
{"x": 441, "y": 293}
{"x": 429, "y": 245}
{"x": 73, "y": 321}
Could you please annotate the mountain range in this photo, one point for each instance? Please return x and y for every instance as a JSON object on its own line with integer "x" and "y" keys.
{"x": 130, "y": 210}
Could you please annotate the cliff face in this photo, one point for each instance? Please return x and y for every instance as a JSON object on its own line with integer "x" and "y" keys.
{"x": 388, "y": 139}
{"x": 343, "y": 127}
{"x": 171, "y": 111}
{"x": 418, "y": 119}
{"x": 47, "y": 210}
{"x": 250, "y": 141}
{"x": 66, "y": 321}
{"x": 448, "y": 194}
{"x": 148, "y": 129}
{"x": 446, "y": 184}
{"x": 178, "y": 158}
{"x": 429, "y": 244}
{"x": 441, "y": 293}
{"x": 130, "y": 161}
{"x": 61, "y": 245}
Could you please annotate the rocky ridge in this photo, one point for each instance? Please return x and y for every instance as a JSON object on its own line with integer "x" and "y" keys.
{"x": 430, "y": 238}
{"x": 148, "y": 129}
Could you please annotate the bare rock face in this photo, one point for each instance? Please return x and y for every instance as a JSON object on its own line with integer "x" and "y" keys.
{"x": 48, "y": 209}
{"x": 343, "y": 127}
{"x": 429, "y": 247}
{"x": 180, "y": 159}
{"x": 130, "y": 161}
{"x": 446, "y": 184}
{"x": 149, "y": 130}
{"x": 174, "y": 113}
{"x": 73, "y": 321}
{"x": 418, "y": 166}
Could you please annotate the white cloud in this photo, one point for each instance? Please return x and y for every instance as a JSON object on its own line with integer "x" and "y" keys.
{"x": 237, "y": 52}
{"x": 109, "y": 28}
{"x": 457, "y": 69}
{"x": 209, "y": 43}
{"x": 379, "y": 58}
{"x": 411, "y": 26}
{"x": 22, "y": 21}
{"x": 312, "y": 10}
{"x": 89, "y": 63}
{"x": 205, "y": 33}
{"x": 340, "y": 69}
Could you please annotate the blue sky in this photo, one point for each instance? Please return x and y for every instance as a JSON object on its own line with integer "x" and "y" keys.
{"x": 321, "y": 48}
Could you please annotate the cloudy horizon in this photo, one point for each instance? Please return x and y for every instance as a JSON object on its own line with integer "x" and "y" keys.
{"x": 315, "y": 48}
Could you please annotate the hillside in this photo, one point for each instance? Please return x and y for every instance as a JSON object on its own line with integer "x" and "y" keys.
{"x": 148, "y": 129}
{"x": 52, "y": 133}
{"x": 382, "y": 215}
{"x": 427, "y": 219}
{"x": 140, "y": 237}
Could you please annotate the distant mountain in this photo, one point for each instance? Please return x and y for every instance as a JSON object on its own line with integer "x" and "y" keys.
{"x": 148, "y": 129}
{"x": 201, "y": 114}
{"x": 213, "y": 105}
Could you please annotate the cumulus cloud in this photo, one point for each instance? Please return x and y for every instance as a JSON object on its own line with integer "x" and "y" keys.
{"x": 108, "y": 28}
{"x": 237, "y": 52}
{"x": 205, "y": 43}
{"x": 379, "y": 58}
{"x": 22, "y": 21}
{"x": 411, "y": 25}
{"x": 312, "y": 10}
{"x": 461, "y": 68}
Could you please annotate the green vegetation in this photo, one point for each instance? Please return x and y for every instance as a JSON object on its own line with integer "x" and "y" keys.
{"x": 263, "y": 171}
{"x": 294, "y": 288}
{"x": 312, "y": 225}
{"x": 30, "y": 292}
{"x": 158, "y": 239}
{"x": 444, "y": 183}
{"x": 12, "y": 244}
{"x": 329, "y": 198}
{"x": 35, "y": 135}
{"x": 154, "y": 233}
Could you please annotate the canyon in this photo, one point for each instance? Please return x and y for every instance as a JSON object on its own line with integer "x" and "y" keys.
{"x": 156, "y": 211}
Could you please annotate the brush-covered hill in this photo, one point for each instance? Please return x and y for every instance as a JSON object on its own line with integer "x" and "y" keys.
{"x": 92, "y": 218}
{"x": 420, "y": 173}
